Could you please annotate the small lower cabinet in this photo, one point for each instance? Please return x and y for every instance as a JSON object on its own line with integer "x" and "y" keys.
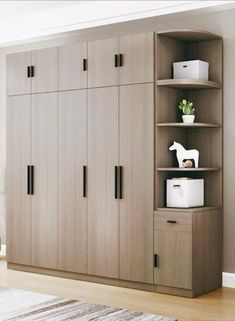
{"x": 187, "y": 250}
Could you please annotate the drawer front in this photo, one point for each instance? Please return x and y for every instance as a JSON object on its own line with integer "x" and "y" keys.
{"x": 173, "y": 221}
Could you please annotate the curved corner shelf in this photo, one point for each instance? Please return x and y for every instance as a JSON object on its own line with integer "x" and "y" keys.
{"x": 177, "y": 169}
{"x": 189, "y": 35}
{"x": 193, "y": 125}
{"x": 188, "y": 84}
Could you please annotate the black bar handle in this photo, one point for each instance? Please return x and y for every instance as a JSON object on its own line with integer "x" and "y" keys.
{"x": 32, "y": 71}
{"x": 172, "y": 222}
{"x": 28, "y": 71}
{"x": 84, "y": 64}
{"x": 116, "y": 182}
{"x": 31, "y": 180}
{"x": 121, "y": 60}
{"x": 84, "y": 188}
{"x": 116, "y": 64}
{"x": 28, "y": 179}
{"x": 120, "y": 182}
{"x": 155, "y": 260}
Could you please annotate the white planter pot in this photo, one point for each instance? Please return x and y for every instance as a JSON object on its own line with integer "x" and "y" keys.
{"x": 188, "y": 119}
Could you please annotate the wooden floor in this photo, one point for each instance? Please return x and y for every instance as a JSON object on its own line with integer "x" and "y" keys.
{"x": 218, "y": 305}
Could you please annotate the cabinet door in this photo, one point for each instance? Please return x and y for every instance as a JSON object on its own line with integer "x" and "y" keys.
{"x": 138, "y": 58}
{"x": 102, "y": 159}
{"x": 18, "y": 157}
{"x": 72, "y": 201}
{"x": 173, "y": 246}
{"x": 136, "y": 206}
{"x": 44, "y": 200}
{"x": 18, "y": 81}
{"x": 101, "y": 63}
{"x": 72, "y": 67}
{"x": 44, "y": 62}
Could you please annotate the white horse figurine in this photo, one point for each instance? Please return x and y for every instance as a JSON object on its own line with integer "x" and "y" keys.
{"x": 182, "y": 153}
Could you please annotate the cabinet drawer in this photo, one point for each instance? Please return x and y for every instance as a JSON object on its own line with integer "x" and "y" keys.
{"x": 173, "y": 221}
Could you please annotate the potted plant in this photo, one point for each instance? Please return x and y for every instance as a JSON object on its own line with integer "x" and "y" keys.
{"x": 188, "y": 111}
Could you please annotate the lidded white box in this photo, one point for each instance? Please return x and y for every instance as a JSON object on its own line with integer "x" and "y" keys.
{"x": 185, "y": 192}
{"x": 192, "y": 69}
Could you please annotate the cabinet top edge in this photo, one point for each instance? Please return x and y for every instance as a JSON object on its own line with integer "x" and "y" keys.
{"x": 189, "y": 35}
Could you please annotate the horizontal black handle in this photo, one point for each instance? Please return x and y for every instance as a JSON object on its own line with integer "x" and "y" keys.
{"x": 172, "y": 222}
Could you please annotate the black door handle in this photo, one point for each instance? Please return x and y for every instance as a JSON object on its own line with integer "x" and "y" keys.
{"x": 116, "y": 182}
{"x": 121, "y": 60}
{"x": 28, "y": 180}
{"x": 155, "y": 260}
{"x": 31, "y": 180}
{"x": 84, "y": 188}
{"x": 120, "y": 182}
{"x": 84, "y": 64}
{"x": 32, "y": 71}
{"x": 116, "y": 63}
{"x": 28, "y": 71}
{"x": 172, "y": 222}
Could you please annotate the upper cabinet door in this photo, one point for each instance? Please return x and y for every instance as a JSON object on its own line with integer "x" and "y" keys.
{"x": 73, "y": 66}
{"x": 44, "y": 78}
{"x": 44, "y": 199}
{"x": 18, "y": 158}
{"x": 101, "y": 63}
{"x": 72, "y": 194}
{"x": 137, "y": 53}
{"x": 136, "y": 206}
{"x": 102, "y": 159}
{"x": 18, "y": 81}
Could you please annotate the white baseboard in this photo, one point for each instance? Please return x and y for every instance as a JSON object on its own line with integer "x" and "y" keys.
{"x": 3, "y": 250}
{"x": 228, "y": 280}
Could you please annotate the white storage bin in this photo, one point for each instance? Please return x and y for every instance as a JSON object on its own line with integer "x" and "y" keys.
{"x": 185, "y": 192}
{"x": 193, "y": 69}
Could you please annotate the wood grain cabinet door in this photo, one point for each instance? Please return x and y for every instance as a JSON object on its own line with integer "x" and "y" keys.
{"x": 102, "y": 159}
{"x": 44, "y": 62}
{"x": 72, "y": 66}
{"x": 72, "y": 197}
{"x": 101, "y": 63}
{"x": 44, "y": 200}
{"x": 173, "y": 246}
{"x": 18, "y": 158}
{"x": 18, "y": 82}
{"x": 136, "y": 206}
{"x": 137, "y": 64}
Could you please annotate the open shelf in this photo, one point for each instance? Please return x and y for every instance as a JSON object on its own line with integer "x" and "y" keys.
{"x": 188, "y": 84}
{"x": 177, "y": 169}
{"x": 189, "y": 35}
{"x": 193, "y": 125}
{"x": 189, "y": 209}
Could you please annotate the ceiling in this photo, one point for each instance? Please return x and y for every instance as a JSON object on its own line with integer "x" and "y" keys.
{"x": 22, "y": 20}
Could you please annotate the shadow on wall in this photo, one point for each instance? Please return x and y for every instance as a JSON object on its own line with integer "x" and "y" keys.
{"x": 2, "y": 198}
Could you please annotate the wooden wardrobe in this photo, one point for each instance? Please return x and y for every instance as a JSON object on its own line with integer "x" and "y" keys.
{"x": 81, "y": 168}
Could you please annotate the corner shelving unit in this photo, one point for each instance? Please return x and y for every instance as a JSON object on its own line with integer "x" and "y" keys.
{"x": 206, "y": 133}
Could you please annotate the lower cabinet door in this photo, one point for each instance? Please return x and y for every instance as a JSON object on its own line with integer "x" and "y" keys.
{"x": 44, "y": 199}
{"x": 102, "y": 204}
{"x": 136, "y": 205}
{"x": 72, "y": 157}
{"x": 173, "y": 248}
{"x": 18, "y": 200}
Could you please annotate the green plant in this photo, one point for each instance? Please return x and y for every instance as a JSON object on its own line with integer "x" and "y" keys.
{"x": 187, "y": 107}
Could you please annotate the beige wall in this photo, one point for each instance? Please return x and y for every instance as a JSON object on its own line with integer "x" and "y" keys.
{"x": 222, "y": 23}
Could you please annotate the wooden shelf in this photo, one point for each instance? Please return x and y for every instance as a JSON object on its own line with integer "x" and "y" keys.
{"x": 189, "y": 35}
{"x": 188, "y": 84}
{"x": 177, "y": 169}
{"x": 190, "y": 209}
{"x": 193, "y": 125}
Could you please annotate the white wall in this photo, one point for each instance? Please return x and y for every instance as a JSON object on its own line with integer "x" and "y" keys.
{"x": 222, "y": 23}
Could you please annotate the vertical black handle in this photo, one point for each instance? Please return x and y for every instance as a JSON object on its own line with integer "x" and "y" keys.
{"x": 28, "y": 71}
{"x": 116, "y": 64}
{"x": 31, "y": 180}
{"x": 116, "y": 182}
{"x": 32, "y": 71}
{"x": 120, "y": 182}
{"x": 28, "y": 180}
{"x": 84, "y": 189}
{"x": 84, "y": 64}
{"x": 121, "y": 60}
{"x": 155, "y": 260}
